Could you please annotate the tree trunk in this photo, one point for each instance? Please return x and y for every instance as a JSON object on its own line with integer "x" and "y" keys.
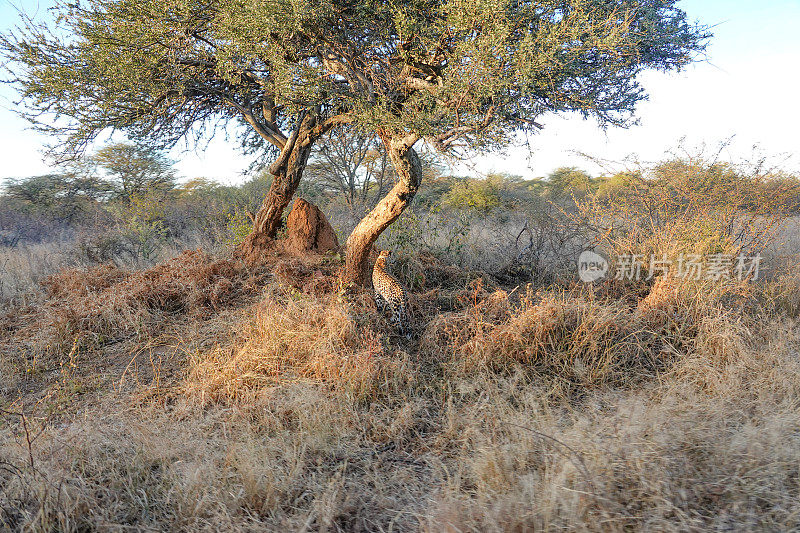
{"x": 287, "y": 172}
{"x": 409, "y": 171}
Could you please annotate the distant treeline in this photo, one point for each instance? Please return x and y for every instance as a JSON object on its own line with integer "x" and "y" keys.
{"x": 133, "y": 187}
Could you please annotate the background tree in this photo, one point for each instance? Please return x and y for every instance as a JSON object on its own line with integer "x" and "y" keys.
{"x": 135, "y": 170}
{"x": 565, "y": 182}
{"x": 68, "y": 195}
{"x": 353, "y": 165}
{"x": 480, "y": 196}
{"x": 166, "y": 70}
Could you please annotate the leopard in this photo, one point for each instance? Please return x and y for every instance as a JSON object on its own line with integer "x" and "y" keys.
{"x": 390, "y": 292}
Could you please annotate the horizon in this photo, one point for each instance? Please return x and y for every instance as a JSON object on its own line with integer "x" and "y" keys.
{"x": 702, "y": 106}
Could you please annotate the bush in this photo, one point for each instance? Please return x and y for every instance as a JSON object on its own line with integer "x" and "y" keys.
{"x": 473, "y": 195}
{"x": 689, "y": 206}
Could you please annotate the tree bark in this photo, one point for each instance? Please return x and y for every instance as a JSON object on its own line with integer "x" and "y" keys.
{"x": 287, "y": 171}
{"x": 409, "y": 171}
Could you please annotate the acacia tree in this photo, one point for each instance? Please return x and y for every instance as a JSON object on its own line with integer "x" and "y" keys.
{"x": 65, "y": 196}
{"x": 166, "y": 70}
{"x": 463, "y": 75}
{"x": 466, "y": 75}
{"x": 135, "y": 170}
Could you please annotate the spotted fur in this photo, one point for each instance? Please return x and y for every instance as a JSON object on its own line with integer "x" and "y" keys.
{"x": 389, "y": 292}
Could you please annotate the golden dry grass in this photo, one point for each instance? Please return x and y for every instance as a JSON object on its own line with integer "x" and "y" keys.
{"x": 294, "y": 407}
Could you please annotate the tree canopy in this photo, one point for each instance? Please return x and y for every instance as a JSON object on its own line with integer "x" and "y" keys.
{"x": 67, "y": 195}
{"x": 135, "y": 170}
{"x": 471, "y": 73}
{"x": 461, "y": 71}
{"x": 351, "y": 163}
{"x": 163, "y": 70}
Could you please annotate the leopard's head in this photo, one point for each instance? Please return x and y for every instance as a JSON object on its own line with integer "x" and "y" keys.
{"x": 382, "y": 257}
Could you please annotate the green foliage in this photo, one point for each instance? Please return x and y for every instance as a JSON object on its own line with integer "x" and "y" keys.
{"x": 239, "y": 226}
{"x": 67, "y": 196}
{"x": 617, "y": 184}
{"x": 210, "y": 196}
{"x": 164, "y": 69}
{"x": 433, "y": 192}
{"x": 458, "y": 72}
{"x": 135, "y": 170}
{"x": 252, "y": 192}
{"x": 480, "y": 196}
{"x": 144, "y": 227}
{"x": 433, "y": 230}
{"x": 471, "y": 74}
{"x": 569, "y": 181}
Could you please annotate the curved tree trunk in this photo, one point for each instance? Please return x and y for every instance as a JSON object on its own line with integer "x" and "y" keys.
{"x": 409, "y": 171}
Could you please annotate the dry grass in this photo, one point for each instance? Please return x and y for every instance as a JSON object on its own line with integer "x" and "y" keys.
{"x": 85, "y": 309}
{"x": 23, "y": 267}
{"x": 301, "y": 338}
{"x": 297, "y": 408}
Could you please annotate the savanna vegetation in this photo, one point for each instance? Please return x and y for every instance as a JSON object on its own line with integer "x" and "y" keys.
{"x": 458, "y": 75}
{"x": 169, "y": 361}
{"x": 150, "y": 388}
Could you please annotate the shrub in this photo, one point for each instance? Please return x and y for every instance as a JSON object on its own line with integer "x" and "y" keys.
{"x": 688, "y": 206}
{"x": 480, "y": 196}
{"x": 239, "y": 226}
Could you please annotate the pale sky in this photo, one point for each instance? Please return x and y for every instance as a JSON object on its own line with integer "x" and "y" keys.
{"x": 748, "y": 89}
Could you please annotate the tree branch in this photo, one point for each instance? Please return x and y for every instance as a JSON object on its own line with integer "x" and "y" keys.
{"x": 267, "y": 131}
{"x": 288, "y": 146}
